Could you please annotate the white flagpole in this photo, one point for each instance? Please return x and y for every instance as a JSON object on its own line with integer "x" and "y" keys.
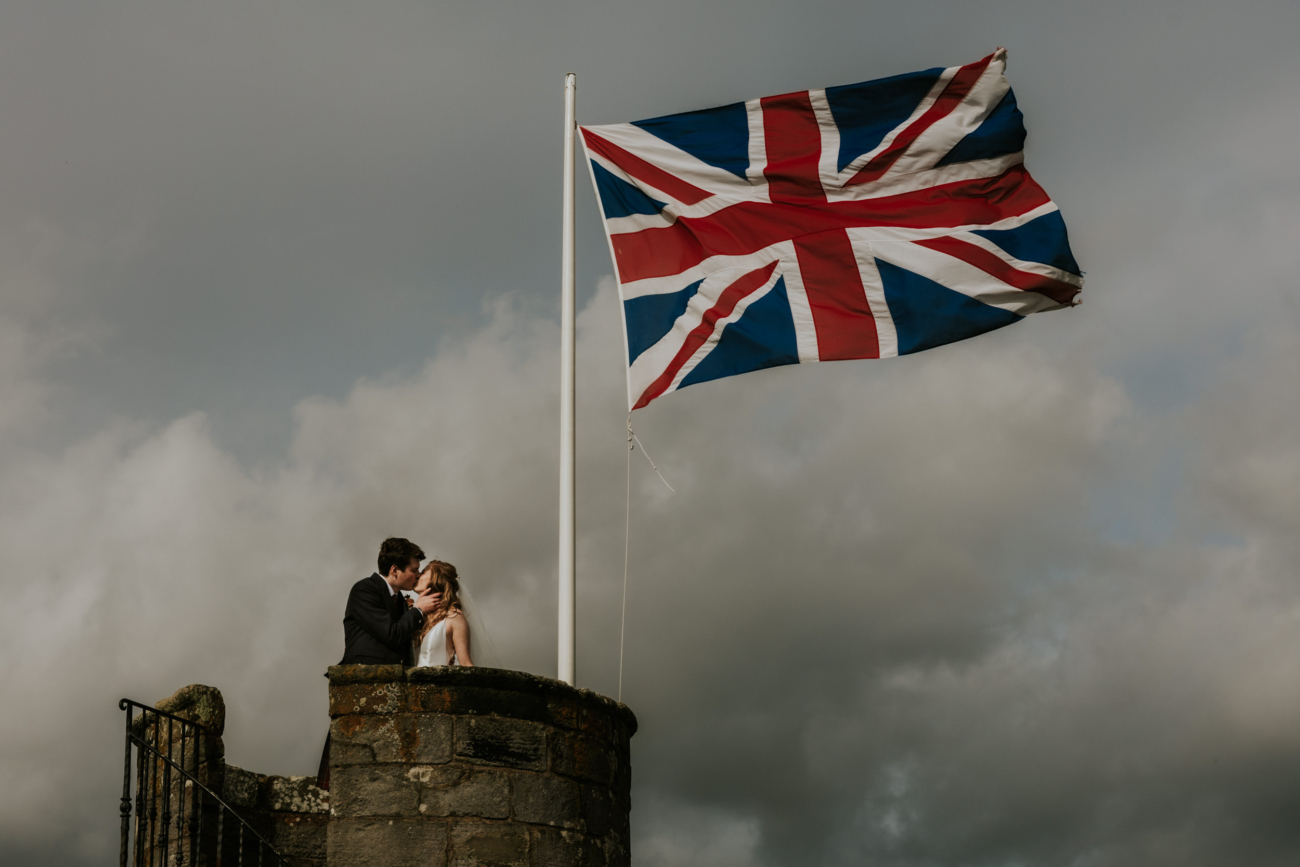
{"x": 568, "y": 538}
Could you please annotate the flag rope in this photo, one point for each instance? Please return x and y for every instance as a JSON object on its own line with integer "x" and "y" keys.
{"x": 632, "y": 442}
{"x": 627, "y": 539}
{"x": 647, "y": 457}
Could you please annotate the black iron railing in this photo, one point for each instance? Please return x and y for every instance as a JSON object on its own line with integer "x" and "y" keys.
{"x": 178, "y": 820}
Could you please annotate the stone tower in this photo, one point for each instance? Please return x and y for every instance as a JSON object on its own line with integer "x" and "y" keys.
{"x": 429, "y": 766}
{"x": 473, "y": 766}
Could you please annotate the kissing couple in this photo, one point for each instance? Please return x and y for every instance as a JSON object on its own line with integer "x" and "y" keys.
{"x": 381, "y": 626}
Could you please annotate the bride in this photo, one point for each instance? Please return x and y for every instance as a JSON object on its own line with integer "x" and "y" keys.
{"x": 444, "y": 637}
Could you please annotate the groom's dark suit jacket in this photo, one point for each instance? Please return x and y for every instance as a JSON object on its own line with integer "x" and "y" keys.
{"x": 377, "y": 625}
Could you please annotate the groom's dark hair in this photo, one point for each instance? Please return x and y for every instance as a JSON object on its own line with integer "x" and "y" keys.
{"x": 397, "y": 552}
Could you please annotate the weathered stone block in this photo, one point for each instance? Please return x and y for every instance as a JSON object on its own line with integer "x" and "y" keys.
{"x": 543, "y": 800}
{"x": 477, "y": 701}
{"x": 497, "y": 741}
{"x": 373, "y": 790}
{"x": 426, "y": 776}
{"x": 623, "y": 769}
{"x": 425, "y": 738}
{"x": 575, "y": 755}
{"x": 487, "y": 845}
{"x": 295, "y": 795}
{"x": 597, "y": 810}
{"x": 356, "y": 739}
{"x": 240, "y": 787}
{"x": 564, "y": 711}
{"x": 300, "y": 836}
{"x": 623, "y": 731}
{"x": 622, "y": 822}
{"x": 597, "y": 725}
{"x": 415, "y": 738}
{"x": 345, "y": 674}
{"x": 200, "y": 704}
{"x": 367, "y": 698}
{"x": 387, "y": 843}
{"x": 616, "y": 851}
{"x": 464, "y": 792}
{"x": 552, "y": 847}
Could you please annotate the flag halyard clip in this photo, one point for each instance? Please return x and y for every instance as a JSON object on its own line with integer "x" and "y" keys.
{"x": 633, "y": 438}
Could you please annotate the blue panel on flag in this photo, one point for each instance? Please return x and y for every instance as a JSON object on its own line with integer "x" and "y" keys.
{"x": 1002, "y": 132}
{"x": 1042, "y": 239}
{"x": 717, "y": 136}
{"x": 763, "y": 337}
{"x": 619, "y": 198}
{"x": 650, "y": 317}
{"x": 866, "y": 112}
{"x": 928, "y": 314}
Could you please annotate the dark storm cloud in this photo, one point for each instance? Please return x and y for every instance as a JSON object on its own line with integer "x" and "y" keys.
{"x": 1027, "y": 599}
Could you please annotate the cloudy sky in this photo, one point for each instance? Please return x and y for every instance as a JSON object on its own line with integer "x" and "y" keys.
{"x": 280, "y": 279}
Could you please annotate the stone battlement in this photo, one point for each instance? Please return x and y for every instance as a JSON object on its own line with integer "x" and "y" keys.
{"x": 442, "y": 766}
{"x": 471, "y": 766}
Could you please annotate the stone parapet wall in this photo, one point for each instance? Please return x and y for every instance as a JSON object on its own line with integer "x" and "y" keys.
{"x": 473, "y": 766}
{"x": 290, "y": 812}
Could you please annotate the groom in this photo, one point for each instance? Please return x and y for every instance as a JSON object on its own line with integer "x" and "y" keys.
{"x": 377, "y": 624}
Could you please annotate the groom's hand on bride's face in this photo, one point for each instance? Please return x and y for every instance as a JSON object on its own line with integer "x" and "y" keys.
{"x": 427, "y": 602}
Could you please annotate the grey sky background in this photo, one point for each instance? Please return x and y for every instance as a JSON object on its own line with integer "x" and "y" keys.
{"x": 280, "y": 279}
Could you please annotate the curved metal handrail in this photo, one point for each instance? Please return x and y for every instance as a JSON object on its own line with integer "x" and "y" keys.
{"x": 213, "y": 795}
{"x": 145, "y": 749}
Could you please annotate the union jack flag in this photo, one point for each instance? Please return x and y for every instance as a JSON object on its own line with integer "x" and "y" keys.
{"x": 864, "y": 221}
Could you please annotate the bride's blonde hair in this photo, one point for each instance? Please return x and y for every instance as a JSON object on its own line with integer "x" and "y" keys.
{"x": 445, "y": 580}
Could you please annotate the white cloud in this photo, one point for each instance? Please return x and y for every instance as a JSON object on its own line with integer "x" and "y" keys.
{"x": 876, "y": 612}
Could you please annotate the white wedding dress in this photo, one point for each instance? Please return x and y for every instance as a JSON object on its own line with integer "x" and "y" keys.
{"x": 432, "y": 649}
